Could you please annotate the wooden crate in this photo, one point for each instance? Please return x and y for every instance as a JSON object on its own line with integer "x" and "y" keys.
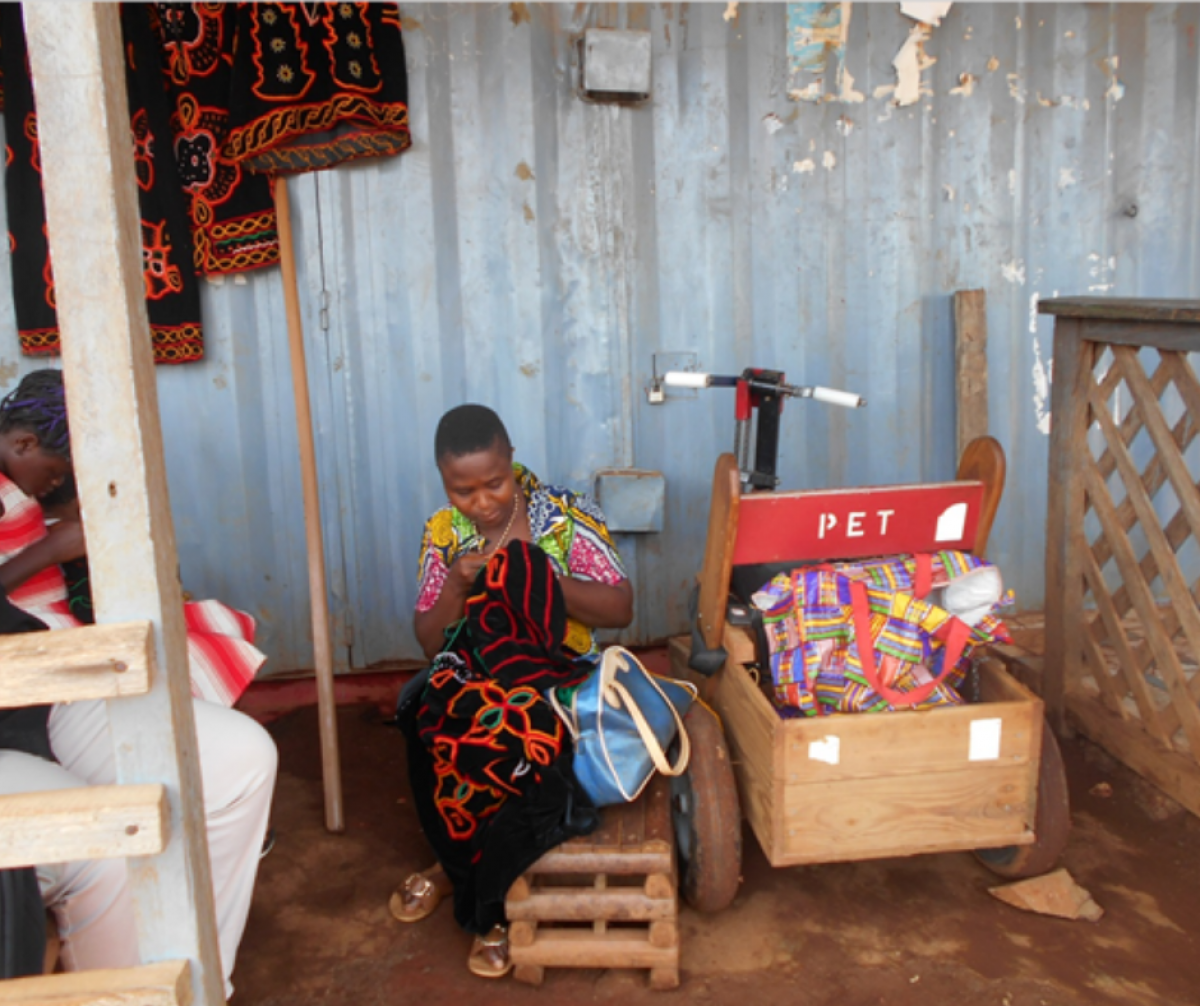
{"x": 848, "y": 787}
{"x": 605, "y": 900}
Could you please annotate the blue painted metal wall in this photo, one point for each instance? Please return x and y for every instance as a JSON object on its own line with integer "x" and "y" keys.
{"x": 535, "y": 252}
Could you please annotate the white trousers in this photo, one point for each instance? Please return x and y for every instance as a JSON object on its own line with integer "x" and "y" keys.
{"x": 90, "y": 899}
{"x": 238, "y": 763}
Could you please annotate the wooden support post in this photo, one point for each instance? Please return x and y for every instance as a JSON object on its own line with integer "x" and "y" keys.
{"x": 78, "y": 65}
{"x": 970, "y": 366}
{"x": 322, "y": 645}
{"x": 1074, "y": 358}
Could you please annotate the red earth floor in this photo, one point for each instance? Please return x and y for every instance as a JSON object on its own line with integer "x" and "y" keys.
{"x": 902, "y": 932}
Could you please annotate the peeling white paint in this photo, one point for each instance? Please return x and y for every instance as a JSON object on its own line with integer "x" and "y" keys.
{"x": 845, "y": 126}
{"x": 773, "y": 123}
{"x": 731, "y": 10}
{"x": 1034, "y": 298}
{"x": 804, "y": 167}
{"x": 909, "y": 63}
{"x": 1046, "y": 102}
{"x": 846, "y": 91}
{"x": 1012, "y": 181}
{"x": 966, "y": 85}
{"x": 1043, "y": 376}
{"x": 1016, "y": 92}
{"x": 829, "y": 161}
{"x": 1116, "y": 90}
{"x": 925, "y": 11}
{"x": 810, "y": 93}
{"x": 883, "y": 91}
{"x": 949, "y": 190}
{"x": 1014, "y": 272}
{"x": 993, "y": 65}
{"x": 1103, "y": 273}
{"x": 1066, "y": 178}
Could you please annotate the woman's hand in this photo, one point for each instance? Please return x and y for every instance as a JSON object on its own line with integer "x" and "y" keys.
{"x": 430, "y": 626}
{"x": 65, "y": 541}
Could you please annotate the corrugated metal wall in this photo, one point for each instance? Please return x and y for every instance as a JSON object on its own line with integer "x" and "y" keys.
{"x": 534, "y": 252}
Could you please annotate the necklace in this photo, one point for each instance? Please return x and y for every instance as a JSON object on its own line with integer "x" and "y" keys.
{"x": 508, "y": 527}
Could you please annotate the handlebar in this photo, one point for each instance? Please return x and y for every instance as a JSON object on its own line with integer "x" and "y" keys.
{"x": 830, "y": 396}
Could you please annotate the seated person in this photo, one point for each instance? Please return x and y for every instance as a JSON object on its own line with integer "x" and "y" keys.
{"x": 500, "y": 639}
{"x": 237, "y": 756}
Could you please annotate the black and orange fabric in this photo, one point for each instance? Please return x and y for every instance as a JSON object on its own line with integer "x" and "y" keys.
{"x": 231, "y": 209}
{"x": 489, "y": 759}
{"x": 317, "y": 84}
{"x": 171, "y": 288}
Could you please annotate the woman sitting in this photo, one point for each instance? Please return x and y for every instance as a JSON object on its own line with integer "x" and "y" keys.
{"x": 237, "y": 757}
{"x": 514, "y": 576}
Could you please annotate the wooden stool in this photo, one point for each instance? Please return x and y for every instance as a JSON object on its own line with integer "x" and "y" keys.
{"x": 605, "y": 900}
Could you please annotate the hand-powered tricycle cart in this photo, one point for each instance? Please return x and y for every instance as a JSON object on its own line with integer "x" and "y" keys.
{"x": 984, "y": 776}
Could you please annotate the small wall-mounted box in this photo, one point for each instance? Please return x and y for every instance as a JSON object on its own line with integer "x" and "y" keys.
{"x": 633, "y": 499}
{"x": 614, "y": 65}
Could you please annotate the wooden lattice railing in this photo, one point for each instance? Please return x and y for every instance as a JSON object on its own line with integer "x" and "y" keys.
{"x": 1123, "y": 534}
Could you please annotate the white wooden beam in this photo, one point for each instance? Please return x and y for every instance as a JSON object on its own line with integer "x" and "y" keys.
{"x": 165, "y": 984}
{"x": 94, "y": 822}
{"x": 76, "y": 55}
{"x": 91, "y": 662}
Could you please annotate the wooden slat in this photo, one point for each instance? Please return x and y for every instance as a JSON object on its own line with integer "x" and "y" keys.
{"x": 566, "y": 860}
{"x": 1073, "y": 361}
{"x": 584, "y": 948}
{"x": 970, "y": 365}
{"x": 167, "y": 983}
{"x": 1175, "y": 774}
{"x": 1122, "y": 309}
{"x": 1147, "y": 609}
{"x": 93, "y": 822}
{"x": 91, "y": 662}
{"x": 584, "y": 904}
{"x": 718, "y": 549}
{"x": 866, "y": 818}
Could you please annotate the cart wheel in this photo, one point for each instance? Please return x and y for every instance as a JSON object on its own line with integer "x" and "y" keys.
{"x": 1052, "y": 821}
{"x": 707, "y": 817}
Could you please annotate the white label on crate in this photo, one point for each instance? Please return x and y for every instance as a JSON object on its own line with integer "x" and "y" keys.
{"x": 827, "y": 749}
{"x": 985, "y": 740}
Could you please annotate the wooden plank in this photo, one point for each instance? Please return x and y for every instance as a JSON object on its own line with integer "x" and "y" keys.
{"x": 970, "y": 366}
{"x": 626, "y": 864}
{"x": 866, "y": 818}
{"x": 855, "y": 523}
{"x": 1175, "y": 774}
{"x": 78, "y": 65}
{"x": 92, "y": 822}
{"x": 91, "y": 662}
{"x": 1073, "y": 362}
{"x": 718, "y": 549}
{"x": 584, "y": 904}
{"x": 167, "y": 983}
{"x": 1184, "y": 312}
{"x": 584, "y": 948}
{"x": 906, "y": 743}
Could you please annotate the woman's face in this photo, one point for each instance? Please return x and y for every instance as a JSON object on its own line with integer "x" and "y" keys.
{"x": 35, "y": 471}
{"x": 481, "y": 486}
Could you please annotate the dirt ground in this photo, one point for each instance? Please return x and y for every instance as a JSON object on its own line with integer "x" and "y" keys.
{"x": 904, "y": 932}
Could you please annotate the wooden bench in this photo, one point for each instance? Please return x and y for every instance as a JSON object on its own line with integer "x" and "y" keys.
{"x": 605, "y": 900}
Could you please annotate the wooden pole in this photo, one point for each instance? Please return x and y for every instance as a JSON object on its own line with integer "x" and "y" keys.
{"x": 322, "y": 645}
{"x": 92, "y": 213}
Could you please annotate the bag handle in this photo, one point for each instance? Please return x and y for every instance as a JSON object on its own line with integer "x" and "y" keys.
{"x": 608, "y": 683}
{"x": 957, "y": 631}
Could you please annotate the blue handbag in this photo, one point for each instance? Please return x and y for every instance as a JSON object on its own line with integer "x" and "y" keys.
{"x": 622, "y": 720}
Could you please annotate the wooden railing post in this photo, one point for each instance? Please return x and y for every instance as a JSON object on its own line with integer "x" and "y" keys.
{"x": 77, "y": 60}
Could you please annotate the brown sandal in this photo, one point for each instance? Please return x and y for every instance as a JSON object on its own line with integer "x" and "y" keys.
{"x": 415, "y": 899}
{"x": 489, "y": 956}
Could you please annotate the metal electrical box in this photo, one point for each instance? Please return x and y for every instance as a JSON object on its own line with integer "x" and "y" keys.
{"x": 615, "y": 65}
{"x": 633, "y": 499}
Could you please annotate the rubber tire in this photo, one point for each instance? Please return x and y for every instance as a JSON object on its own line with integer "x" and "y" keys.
{"x": 707, "y": 817}
{"x": 1052, "y": 823}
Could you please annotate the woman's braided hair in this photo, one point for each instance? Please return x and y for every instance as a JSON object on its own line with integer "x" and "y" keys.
{"x": 38, "y": 405}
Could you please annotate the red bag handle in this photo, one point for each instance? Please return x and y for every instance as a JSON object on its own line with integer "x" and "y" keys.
{"x": 923, "y": 577}
{"x": 956, "y": 632}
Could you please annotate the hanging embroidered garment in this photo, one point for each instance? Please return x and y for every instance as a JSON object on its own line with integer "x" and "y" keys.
{"x": 231, "y": 210}
{"x": 171, "y": 289}
{"x": 316, "y": 84}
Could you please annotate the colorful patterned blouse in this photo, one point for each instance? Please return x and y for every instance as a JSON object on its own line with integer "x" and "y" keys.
{"x": 567, "y": 526}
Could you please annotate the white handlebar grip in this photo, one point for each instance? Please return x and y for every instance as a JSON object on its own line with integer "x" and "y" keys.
{"x": 846, "y": 399}
{"x": 685, "y": 379}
